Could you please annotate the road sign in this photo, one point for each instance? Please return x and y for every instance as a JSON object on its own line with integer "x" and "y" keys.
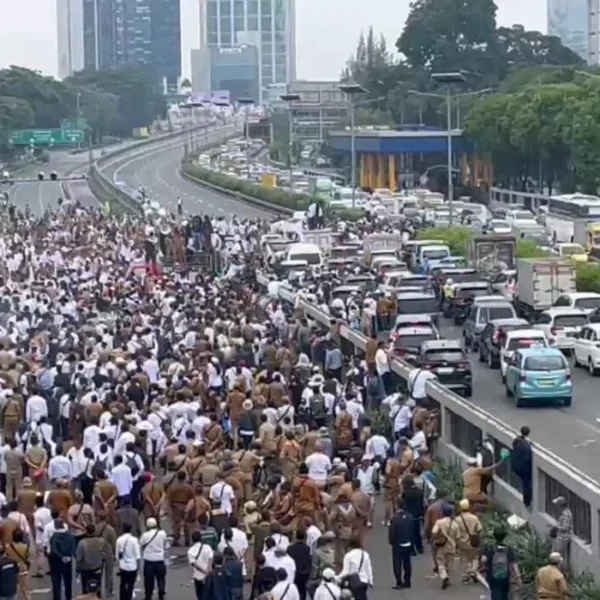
{"x": 46, "y": 137}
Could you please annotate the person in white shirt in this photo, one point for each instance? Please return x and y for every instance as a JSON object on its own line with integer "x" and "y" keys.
{"x": 121, "y": 477}
{"x": 77, "y": 457}
{"x": 235, "y": 539}
{"x": 285, "y": 589}
{"x": 328, "y": 589}
{"x": 377, "y": 446}
{"x": 91, "y": 435}
{"x": 153, "y": 544}
{"x": 200, "y": 557}
{"x": 60, "y": 467}
{"x": 199, "y": 424}
{"x": 367, "y": 475}
{"x": 418, "y": 442}
{"x": 222, "y": 492}
{"x": 36, "y": 408}
{"x": 417, "y": 381}
{"x": 357, "y": 562}
{"x": 402, "y": 419}
{"x": 318, "y": 465}
{"x": 128, "y": 553}
{"x": 41, "y": 518}
{"x": 382, "y": 364}
{"x": 313, "y": 533}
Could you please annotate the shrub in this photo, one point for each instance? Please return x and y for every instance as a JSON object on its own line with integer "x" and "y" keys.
{"x": 588, "y": 277}
{"x": 275, "y": 196}
{"x": 455, "y": 238}
{"x": 529, "y": 249}
{"x": 531, "y": 549}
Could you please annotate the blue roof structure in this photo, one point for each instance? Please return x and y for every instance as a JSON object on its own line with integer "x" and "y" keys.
{"x": 391, "y": 141}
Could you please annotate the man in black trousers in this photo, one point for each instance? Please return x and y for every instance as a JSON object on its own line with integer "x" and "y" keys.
{"x": 401, "y": 538}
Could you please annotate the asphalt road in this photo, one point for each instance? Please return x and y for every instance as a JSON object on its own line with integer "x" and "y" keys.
{"x": 424, "y": 583}
{"x": 158, "y": 171}
{"x": 572, "y": 433}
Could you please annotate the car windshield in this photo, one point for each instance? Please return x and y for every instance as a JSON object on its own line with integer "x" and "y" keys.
{"x": 523, "y": 216}
{"x": 413, "y": 341}
{"x": 545, "y": 363}
{"x": 570, "y": 321}
{"x": 473, "y": 292}
{"x": 500, "y": 224}
{"x": 344, "y": 252}
{"x": 311, "y": 259}
{"x": 518, "y": 343}
{"x": 437, "y": 254}
{"x": 417, "y": 306}
{"x": 501, "y": 312}
{"x": 587, "y": 303}
{"x": 444, "y": 355}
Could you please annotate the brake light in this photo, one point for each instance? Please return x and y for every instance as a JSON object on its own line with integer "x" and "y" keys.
{"x": 393, "y": 335}
{"x": 568, "y": 376}
{"x": 427, "y": 365}
{"x": 496, "y": 336}
{"x": 554, "y": 330}
{"x": 522, "y": 377}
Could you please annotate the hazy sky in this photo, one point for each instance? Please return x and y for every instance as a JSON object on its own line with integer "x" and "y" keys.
{"x": 327, "y": 30}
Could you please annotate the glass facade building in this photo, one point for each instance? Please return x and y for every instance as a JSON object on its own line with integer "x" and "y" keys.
{"x": 570, "y": 21}
{"x": 269, "y": 24}
{"x": 235, "y": 70}
{"x": 123, "y": 32}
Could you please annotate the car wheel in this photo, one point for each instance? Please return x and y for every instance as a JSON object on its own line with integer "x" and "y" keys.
{"x": 519, "y": 402}
{"x": 507, "y": 390}
{"x": 481, "y": 356}
{"x": 593, "y": 371}
{"x": 468, "y": 392}
{"x": 492, "y": 364}
{"x": 568, "y": 401}
{"x": 575, "y": 361}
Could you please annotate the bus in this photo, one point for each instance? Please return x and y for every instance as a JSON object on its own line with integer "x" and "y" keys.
{"x": 564, "y": 209}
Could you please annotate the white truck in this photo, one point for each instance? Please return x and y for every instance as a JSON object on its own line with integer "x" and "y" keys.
{"x": 540, "y": 282}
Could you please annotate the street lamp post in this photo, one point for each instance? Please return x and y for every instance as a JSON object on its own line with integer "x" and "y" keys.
{"x": 449, "y": 79}
{"x": 246, "y": 102}
{"x": 352, "y": 89}
{"x": 289, "y": 98}
{"x": 78, "y": 114}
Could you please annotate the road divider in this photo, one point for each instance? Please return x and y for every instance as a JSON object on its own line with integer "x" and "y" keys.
{"x": 463, "y": 423}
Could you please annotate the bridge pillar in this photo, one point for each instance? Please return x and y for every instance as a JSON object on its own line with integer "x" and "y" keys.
{"x": 363, "y": 170}
{"x": 392, "y": 172}
{"x": 370, "y": 170}
{"x": 381, "y": 179}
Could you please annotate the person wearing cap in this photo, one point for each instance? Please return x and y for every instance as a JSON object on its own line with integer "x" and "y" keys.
{"x": 550, "y": 581}
{"x": 471, "y": 480}
{"x": 92, "y": 591}
{"x": 285, "y": 589}
{"x": 469, "y": 540}
{"x": 444, "y": 537}
{"x": 153, "y": 544}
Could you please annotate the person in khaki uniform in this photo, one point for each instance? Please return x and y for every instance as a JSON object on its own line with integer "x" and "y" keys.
{"x": 213, "y": 435}
{"x": 36, "y": 460}
{"x": 153, "y": 496}
{"x": 550, "y": 582}
{"x": 26, "y": 501}
{"x": 471, "y": 480}
{"x": 209, "y": 474}
{"x": 445, "y": 534}
{"x": 60, "y": 498}
{"x": 14, "y": 470}
{"x": 11, "y": 413}
{"x": 179, "y": 494}
{"x": 105, "y": 498}
{"x": 266, "y": 435}
{"x": 469, "y": 538}
{"x": 196, "y": 508}
{"x": 106, "y": 531}
{"x": 248, "y": 460}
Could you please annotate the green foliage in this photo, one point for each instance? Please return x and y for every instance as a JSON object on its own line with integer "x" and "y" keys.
{"x": 455, "y": 238}
{"x": 587, "y": 277}
{"x": 531, "y": 549}
{"x": 529, "y": 249}
{"x": 275, "y": 196}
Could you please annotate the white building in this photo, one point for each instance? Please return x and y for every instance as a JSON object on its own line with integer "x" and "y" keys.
{"x": 270, "y": 24}
{"x": 69, "y": 20}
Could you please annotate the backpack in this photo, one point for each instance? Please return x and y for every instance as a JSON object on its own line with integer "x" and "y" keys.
{"x": 318, "y": 406}
{"x": 132, "y": 464}
{"x": 500, "y": 566}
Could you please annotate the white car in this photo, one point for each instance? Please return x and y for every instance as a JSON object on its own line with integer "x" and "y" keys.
{"x": 561, "y": 326}
{"x": 499, "y": 226}
{"x": 588, "y": 302}
{"x": 516, "y": 340}
{"x": 586, "y": 351}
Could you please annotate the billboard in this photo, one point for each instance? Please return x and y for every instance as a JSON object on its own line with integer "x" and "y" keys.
{"x": 220, "y": 97}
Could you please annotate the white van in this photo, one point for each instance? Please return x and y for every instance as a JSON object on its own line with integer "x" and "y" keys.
{"x": 311, "y": 253}
{"x": 433, "y": 253}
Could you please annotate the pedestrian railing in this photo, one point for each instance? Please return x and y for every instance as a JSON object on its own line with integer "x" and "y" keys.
{"x": 463, "y": 423}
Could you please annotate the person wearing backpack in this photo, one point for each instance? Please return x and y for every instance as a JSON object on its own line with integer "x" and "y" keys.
{"x": 499, "y": 565}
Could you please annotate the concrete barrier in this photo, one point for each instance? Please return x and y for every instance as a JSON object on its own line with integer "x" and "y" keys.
{"x": 462, "y": 422}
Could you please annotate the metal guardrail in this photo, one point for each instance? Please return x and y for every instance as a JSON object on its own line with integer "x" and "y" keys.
{"x": 462, "y": 422}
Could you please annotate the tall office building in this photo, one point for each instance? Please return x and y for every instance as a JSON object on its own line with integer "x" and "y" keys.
{"x": 70, "y": 34}
{"x": 123, "y": 32}
{"x": 570, "y": 21}
{"x": 268, "y": 24}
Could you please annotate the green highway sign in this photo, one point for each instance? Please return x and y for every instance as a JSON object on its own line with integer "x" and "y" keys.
{"x": 46, "y": 137}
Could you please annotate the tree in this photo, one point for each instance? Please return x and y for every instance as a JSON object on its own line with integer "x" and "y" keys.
{"x": 445, "y": 35}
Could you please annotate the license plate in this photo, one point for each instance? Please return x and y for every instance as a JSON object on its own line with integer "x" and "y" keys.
{"x": 546, "y": 382}
{"x": 445, "y": 370}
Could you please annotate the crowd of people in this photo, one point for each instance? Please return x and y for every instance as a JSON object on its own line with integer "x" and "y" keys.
{"x": 144, "y": 409}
